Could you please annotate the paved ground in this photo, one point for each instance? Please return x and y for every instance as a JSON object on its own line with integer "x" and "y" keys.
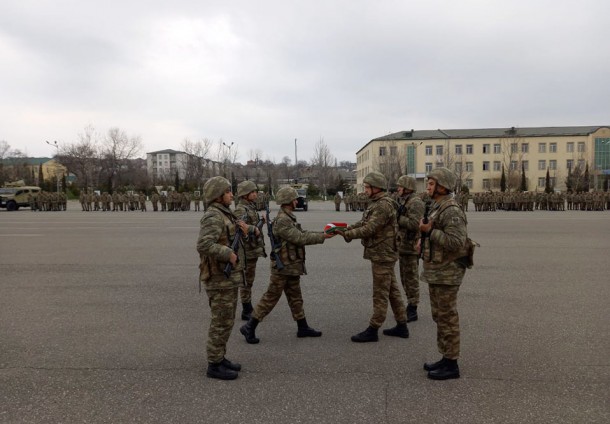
{"x": 101, "y": 322}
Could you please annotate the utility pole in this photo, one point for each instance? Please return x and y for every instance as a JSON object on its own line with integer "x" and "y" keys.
{"x": 296, "y": 163}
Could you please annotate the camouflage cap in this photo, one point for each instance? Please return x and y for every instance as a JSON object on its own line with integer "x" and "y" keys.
{"x": 245, "y": 187}
{"x": 376, "y": 179}
{"x": 407, "y": 182}
{"x": 214, "y": 188}
{"x": 285, "y": 195}
{"x": 443, "y": 177}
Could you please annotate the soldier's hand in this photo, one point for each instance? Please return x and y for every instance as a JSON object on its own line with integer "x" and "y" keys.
{"x": 425, "y": 228}
{"x": 329, "y": 235}
{"x": 233, "y": 259}
{"x": 243, "y": 226}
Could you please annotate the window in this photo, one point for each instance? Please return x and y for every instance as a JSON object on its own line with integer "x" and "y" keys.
{"x": 469, "y": 167}
{"x": 439, "y": 150}
{"x": 541, "y": 181}
{"x": 514, "y": 147}
{"x": 581, "y": 164}
{"x": 526, "y": 165}
{"x": 486, "y": 183}
{"x": 382, "y": 151}
{"x": 428, "y": 166}
{"x": 458, "y": 149}
{"x": 552, "y": 164}
{"x": 486, "y": 149}
{"x": 541, "y": 147}
{"x": 486, "y": 166}
{"x": 497, "y": 148}
{"x": 469, "y": 183}
{"x": 513, "y": 165}
{"x": 581, "y": 146}
{"x": 525, "y": 148}
{"x": 570, "y": 163}
{"x": 428, "y": 150}
{"x": 552, "y": 181}
{"x": 541, "y": 165}
{"x": 458, "y": 168}
{"x": 497, "y": 165}
{"x": 440, "y": 164}
{"x": 393, "y": 151}
{"x": 469, "y": 149}
{"x": 570, "y": 147}
{"x": 553, "y": 148}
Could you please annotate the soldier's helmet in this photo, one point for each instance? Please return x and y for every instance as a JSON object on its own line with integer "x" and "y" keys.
{"x": 407, "y": 182}
{"x": 443, "y": 177}
{"x": 376, "y": 179}
{"x": 245, "y": 187}
{"x": 214, "y": 188}
{"x": 285, "y": 195}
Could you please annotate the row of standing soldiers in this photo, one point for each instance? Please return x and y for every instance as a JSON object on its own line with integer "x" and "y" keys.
{"x": 47, "y": 201}
{"x": 529, "y": 201}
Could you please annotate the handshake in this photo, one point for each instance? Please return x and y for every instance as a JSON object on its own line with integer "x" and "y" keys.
{"x": 334, "y": 228}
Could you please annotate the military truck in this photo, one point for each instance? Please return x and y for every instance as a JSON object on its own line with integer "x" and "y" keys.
{"x": 13, "y": 198}
{"x": 302, "y": 199}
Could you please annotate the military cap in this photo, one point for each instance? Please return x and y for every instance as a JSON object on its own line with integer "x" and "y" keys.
{"x": 245, "y": 187}
{"x": 376, "y": 179}
{"x": 443, "y": 177}
{"x": 214, "y": 188}
{"x": 407, "y": 182}
{"x": 285, "y": 195}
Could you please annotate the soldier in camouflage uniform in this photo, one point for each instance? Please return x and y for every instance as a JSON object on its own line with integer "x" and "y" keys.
{"x": 378, "y": 231}
{"x": 410, "y": 212}
{"x": 255, "y": 245}
{"x": 218, "y": 226}
{"x": 291, "y": 239}
{"x": 445, "y": 254}
{"x": 337, "y": 202}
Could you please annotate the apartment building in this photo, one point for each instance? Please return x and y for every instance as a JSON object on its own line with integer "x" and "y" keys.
{"x": 478, "y": 155}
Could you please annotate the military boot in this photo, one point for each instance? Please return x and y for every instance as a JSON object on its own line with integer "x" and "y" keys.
{"x": 411, "y": 313}
{"x": 447, "y": 371}
{"x": 368, "y": 335}
{"x": 430, "y": 366}
{"x": 246, "y": 311}
{"x": 230, "y": 365}
{"x": 305, "y": 330}
{"x": 400, "y": 330}
{"x": 248, "y": 331}
{"x": 221, "y": 372}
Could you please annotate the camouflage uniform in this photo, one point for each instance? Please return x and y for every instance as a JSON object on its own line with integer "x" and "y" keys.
{"x": 213, "y": 245}
{"x": 337, "y": 202}
{"x": 378, "y": 233}
{"x": 291, "y": 239}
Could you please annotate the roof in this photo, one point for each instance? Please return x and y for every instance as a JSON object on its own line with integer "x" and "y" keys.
{"x": 170, "y": 151}
{"x": 441, "y": 134}
{"x": 27, "y": 161}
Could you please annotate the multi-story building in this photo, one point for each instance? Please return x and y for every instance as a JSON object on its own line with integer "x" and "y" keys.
{"x": 163, "y": 165}
{"x": 478, "y": 156}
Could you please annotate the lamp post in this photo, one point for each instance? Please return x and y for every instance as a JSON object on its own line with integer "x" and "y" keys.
{"x": 54, "y": 144}
{"x": 228, "y": 146}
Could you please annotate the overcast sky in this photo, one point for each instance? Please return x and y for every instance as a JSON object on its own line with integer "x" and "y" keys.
{"x": 262, "y": 73}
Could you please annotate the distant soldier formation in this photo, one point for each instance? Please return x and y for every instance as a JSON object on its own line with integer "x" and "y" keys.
{"x": 48, "y": 202}
{"x": 530, "y": 201}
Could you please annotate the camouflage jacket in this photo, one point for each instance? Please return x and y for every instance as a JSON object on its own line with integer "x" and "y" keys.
{"x": 292, "y": 240}
{"x": 446, "y": 243}
{"x": 214, "y": 246}
{"x": 378, "y": 229}
{"x": 255, "y": 246}
{"x": 410, "y": 212}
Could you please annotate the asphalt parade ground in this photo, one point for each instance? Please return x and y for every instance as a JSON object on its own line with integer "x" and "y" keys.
{"x": 101, "y": 321}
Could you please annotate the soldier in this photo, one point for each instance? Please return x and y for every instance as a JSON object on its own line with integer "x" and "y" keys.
{"x": 291, "y": 239}
{"x": 337, "y": 202}
{"x": 155, "y": 201}
{"x": 197, "y": 201}
{"x": 444, "y": 254}
{"x": 255, "y": 245}
{"x": 410, "y": 212}
{"x": 378, "y": 230}
{"x": 218, "y": 225}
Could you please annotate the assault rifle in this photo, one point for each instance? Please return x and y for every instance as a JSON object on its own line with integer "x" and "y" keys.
{"x": 424, "y": 236}
{"x": 235, "y": 246}
{"x": 274, "y": 245}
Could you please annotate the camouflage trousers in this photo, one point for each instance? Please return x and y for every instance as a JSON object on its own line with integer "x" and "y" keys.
{"x": 385, "y": 289}
{"x": 278, "y": 284}
{"x": 409, "y": 277}
{"x": 223, "y": 303}
{"x": 443, "y": 302}
{"x": 245, "y": 292}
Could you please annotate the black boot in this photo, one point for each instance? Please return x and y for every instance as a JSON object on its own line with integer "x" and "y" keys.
{"x": 449, "y": 370}
{"x": 411, "y": 313}
{"x": 248, "y": 331}
{"x": 400, "y": 330}
{"x": 431, "y": 366}
{"x": 230, "y": 365}
{"x": 368, "y": 335}
{"x": 221, "y": 372}
{"x": 246, "y": 311}
{"x": 305, "y": 330}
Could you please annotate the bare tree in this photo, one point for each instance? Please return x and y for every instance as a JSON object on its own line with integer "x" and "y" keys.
{"x": 4, "y": 149}
{"x": 82, "y": 158}
{"x": 322, "y": 162}
{"x": 197, "y": 160}
{"x": 391, "y": 161}
{"x": 118, "y": 148}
